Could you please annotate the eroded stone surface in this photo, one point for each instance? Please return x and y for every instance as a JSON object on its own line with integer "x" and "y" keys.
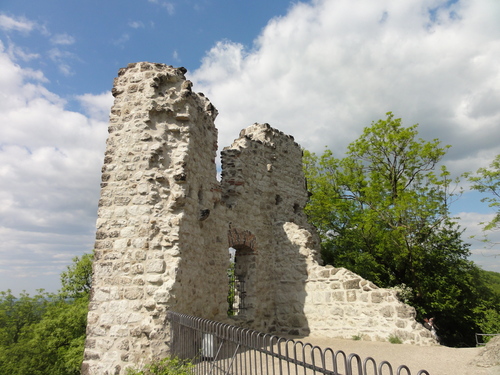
{"x": 165, "y": 225}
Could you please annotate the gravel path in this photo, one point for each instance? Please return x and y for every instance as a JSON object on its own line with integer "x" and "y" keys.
{"x": 437, "y": 360}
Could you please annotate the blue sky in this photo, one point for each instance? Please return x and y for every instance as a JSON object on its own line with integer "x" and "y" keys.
{"x": 320, "y": 70}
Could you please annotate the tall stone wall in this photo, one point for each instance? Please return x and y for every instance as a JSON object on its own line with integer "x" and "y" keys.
{"x": 158, "y": 179}
{"x": 165, "y": 226}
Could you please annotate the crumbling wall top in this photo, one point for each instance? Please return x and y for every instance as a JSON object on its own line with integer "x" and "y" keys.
{"x": 262, "y": 133}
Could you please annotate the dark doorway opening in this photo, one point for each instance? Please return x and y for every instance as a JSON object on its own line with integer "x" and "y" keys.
{"x": 241, "y": 275}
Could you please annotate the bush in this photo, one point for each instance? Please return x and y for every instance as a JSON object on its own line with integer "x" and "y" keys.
{"x": 166, "y": 366}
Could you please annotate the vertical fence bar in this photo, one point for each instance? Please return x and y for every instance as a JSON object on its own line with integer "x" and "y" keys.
{"x": 330, "y": 353}
{"x": 401, "y": 368}
{"x": 365, "y": 366}
{"x": 381, "y": 366}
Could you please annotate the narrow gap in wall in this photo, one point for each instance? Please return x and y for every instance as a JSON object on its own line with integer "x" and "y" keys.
{"x": 240, "y": 275}
{"x": 232, "y": 309}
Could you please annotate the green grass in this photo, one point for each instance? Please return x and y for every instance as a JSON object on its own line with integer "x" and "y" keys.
{"x": 393, "y": 339}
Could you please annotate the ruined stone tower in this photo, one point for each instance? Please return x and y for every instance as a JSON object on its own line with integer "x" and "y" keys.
{"x": 165, "y": 226}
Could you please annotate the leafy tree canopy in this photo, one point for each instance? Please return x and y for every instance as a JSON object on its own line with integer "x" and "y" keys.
{"x": 487, "y": 181}
{"x": 76, "y": 281}
{"x": 45, "y": 334}
{"x": 383, "y": 212}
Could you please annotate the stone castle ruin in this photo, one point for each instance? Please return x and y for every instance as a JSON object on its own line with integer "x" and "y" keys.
{"x": 165, "y": 226}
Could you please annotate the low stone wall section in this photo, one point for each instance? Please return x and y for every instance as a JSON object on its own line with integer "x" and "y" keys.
{"x": 341, "y": 304}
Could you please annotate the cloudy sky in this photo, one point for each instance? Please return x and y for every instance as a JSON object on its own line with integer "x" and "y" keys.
{"x": 321, "y": 70}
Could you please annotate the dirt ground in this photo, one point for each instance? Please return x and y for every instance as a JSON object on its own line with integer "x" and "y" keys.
{"x": 437, "y": 360}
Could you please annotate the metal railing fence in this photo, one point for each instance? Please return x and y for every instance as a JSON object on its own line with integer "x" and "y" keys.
{"x": 480, "y": 338}
{"x": 217, "y": 348}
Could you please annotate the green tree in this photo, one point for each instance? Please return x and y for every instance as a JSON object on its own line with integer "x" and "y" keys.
{"x": 489, "y": 309}
{"x": 76, "y": 281}
{"x": 492, "y": 279}
{"x": 383, "y": 212}
{"x": 19, "y": 312}
{"x": 54, "y": 345}
{"x": 51, "y": 338}
{"x": 487, "y": 180}
{"x": 231, "y": 290}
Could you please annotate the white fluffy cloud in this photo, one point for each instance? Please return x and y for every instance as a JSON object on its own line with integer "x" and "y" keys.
{"x": 18, "y": 24}
{"x": 97, "y": 106}
{"x": 486, "y": 255}
{"x": 50, "y": 160}
{"x": 328, "y": 69}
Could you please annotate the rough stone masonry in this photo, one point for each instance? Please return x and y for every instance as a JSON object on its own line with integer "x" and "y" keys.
{"x": 165, "y": 226}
